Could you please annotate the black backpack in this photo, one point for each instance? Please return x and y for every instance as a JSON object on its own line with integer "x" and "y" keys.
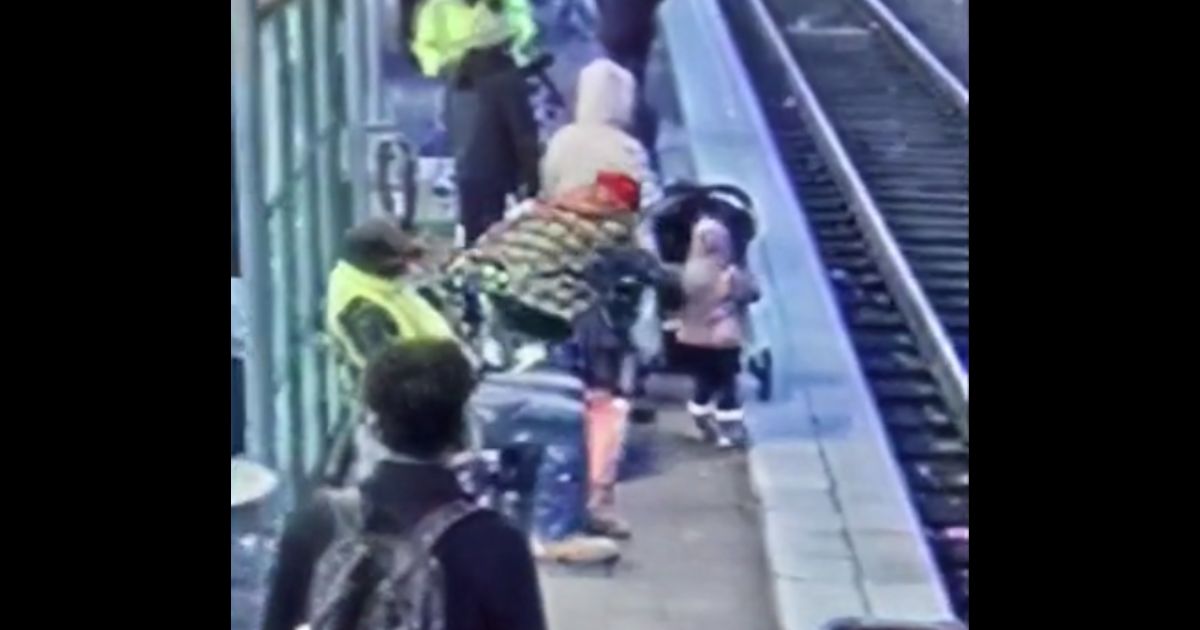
{"x": 375, "y": 582}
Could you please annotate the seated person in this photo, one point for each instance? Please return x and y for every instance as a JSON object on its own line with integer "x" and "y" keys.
{"x": 370, "y": 308}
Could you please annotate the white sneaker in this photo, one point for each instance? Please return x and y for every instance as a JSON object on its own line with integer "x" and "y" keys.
{"x": 731, "y": 429}
{"x": 445, "y": 186}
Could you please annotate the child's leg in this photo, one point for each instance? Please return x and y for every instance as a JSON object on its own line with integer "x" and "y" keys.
{"x": 730, "y": 415}
{"x": 699, "y": 365}
{"x": 702, "y": 406}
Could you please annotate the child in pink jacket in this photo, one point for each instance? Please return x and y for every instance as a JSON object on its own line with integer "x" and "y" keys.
{"x": 713, "y": 330}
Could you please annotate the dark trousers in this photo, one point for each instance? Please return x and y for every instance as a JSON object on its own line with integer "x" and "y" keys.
{"x": 495, "y": 141}
{"x": 481, "y": 205}
{"x": 645, "y": 119}
{"x": 716, "y": 374}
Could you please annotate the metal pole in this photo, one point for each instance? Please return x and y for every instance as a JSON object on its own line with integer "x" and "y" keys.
{"x": 374, "y": 60}
{"x": 252, "y": 221}
{"x": 356, "y": 112}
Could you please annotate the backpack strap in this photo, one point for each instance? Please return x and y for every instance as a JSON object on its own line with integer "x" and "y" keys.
{"x": 430, "y": 529}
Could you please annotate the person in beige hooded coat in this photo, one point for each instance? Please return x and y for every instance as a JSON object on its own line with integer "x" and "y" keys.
{"x": 598, "y": 145}
{"x": 598, "y": 141}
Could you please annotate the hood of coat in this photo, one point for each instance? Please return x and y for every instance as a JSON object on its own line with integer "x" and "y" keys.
{"x": 711, "y": 243}
{"x": 606, "y": 95}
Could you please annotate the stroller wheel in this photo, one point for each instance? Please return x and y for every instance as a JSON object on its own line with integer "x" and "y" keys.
{"x": 762, "y": 367}
{"x": 643, "y": 415}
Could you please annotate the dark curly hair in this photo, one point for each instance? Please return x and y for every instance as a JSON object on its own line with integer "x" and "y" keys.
{"x": 419, "y": 390}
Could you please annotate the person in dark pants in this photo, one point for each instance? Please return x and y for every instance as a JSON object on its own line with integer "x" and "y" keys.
{"x": 478, "y": 47}
{"x": 628, "y": 29}
{"x": 418, "y": 391}
{"x": 495, "y": 139}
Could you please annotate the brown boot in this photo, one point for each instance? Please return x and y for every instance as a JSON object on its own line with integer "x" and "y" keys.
{"x": 609, "y": 526}
{"x": 578, "y": 550}
{"x": 607, "y": 424}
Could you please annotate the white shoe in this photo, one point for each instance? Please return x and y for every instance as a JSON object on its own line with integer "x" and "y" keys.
{"x": 731, "y": 429}
{"x": 445, "y": 186}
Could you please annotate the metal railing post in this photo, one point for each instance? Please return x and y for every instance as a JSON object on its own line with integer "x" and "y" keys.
{"x": 252, "y": 222}
{"x": 356, "y": 108}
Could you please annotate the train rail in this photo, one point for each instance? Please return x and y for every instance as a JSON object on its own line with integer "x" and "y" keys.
{"x": 875, "y": 142}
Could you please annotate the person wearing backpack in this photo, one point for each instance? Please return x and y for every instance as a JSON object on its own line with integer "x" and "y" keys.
{"x": 406, "y": 550}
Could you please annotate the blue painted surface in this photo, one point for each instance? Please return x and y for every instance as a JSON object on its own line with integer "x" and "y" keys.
{"x": 821, "y": 463}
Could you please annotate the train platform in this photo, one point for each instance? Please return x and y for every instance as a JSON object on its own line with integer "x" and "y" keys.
{"x": 814, "y": 523}
{"x": 840, "y": 531}
{"x": 696, "y": 562}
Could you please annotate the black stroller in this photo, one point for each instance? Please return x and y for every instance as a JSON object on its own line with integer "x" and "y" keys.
{"x": 671, "y": 223}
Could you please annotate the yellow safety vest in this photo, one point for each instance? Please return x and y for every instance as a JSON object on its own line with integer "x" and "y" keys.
{"x": 447, "y": 30}
{"x": 414, "y": 316}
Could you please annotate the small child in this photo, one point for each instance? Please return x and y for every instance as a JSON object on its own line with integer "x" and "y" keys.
{"x": 713, "y": 329}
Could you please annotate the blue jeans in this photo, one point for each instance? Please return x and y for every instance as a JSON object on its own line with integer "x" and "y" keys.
{"x": 550, "y": 413}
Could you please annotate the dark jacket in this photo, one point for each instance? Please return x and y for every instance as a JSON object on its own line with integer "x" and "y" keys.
{"x": 627, "y": 31}
{"x": 491, "y": 580}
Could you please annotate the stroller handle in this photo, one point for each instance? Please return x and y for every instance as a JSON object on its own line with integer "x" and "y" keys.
{"x": 675, "y": 192}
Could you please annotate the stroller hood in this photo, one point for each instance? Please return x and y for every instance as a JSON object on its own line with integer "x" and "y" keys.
{"x": 675, "y": 219}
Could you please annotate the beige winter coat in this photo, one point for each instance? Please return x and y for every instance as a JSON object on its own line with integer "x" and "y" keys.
{"x": 596, "y": 141}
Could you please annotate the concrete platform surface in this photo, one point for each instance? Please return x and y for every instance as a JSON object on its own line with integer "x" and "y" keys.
{"x": 697, "y": 560}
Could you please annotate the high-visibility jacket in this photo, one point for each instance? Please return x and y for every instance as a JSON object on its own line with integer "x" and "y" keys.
{"x": 365, "y": 314}
{"x": 446, "y": 30}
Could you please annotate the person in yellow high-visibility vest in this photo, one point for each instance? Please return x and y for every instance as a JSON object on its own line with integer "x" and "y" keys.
{"x": 479, "y": 47}
{"x": 444, "y": 32}
{"x": 369, "y": 308}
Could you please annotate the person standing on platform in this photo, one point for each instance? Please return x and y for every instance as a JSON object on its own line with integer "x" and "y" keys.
{"x": 628, "y": 29}
{"x": 418, "y": 392}
{"x": 595, "y": 146}
{"x": 596, "y": 141}
{"x": 713, "y": 330}
{"x": 478, "y": 48}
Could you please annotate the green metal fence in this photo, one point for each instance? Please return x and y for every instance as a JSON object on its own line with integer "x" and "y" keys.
{"x": 290, "y": 68}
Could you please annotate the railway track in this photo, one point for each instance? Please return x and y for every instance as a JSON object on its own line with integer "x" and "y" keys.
{"x": 875, "y": 142}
